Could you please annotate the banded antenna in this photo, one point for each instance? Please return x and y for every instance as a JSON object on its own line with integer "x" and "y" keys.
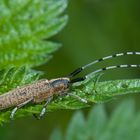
{"x": 104, "y": 69}
{"x": 78, "y": 70}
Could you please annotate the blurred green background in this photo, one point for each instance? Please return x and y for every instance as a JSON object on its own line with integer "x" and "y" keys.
{"x": 96, "y": 28}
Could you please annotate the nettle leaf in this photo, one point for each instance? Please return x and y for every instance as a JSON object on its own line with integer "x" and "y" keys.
{"x": 94, "y": 92}
{"x": 79, "y": 124}
{"x": 122, "y": 124}
{"x": 13, "y": 77}
{"x": 26, "y": 27}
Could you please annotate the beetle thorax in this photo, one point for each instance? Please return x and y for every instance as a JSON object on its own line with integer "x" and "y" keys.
{"x": 59, "y": 85}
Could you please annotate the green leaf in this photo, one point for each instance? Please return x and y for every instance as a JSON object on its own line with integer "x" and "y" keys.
{"x": 122, "y": 124}
{"x": 118, "y": 123}
{"x": 103, "y": 91}
{"x": 56, "y": 135}
{"x": 96, "y": 92}
{"x": 13, "y": 77}
{"x": 96, "y": 122}
{"x": 26, "y": 27}
{"x": 77, "y": 123}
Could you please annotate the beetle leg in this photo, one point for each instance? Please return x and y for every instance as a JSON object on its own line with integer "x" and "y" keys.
{"x": 78, "y": 98}
{"x": 19, "y": 106}
{"x": 43, "y": 110}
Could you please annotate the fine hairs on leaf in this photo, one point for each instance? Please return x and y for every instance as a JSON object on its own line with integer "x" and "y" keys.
{"x": 122, "y": 124}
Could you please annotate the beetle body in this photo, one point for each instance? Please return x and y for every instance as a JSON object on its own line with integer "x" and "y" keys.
{"x": 39, "y": 91}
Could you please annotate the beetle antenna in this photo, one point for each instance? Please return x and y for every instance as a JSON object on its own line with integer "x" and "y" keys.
{"x": 103, "y": 69}
{"x": 78, "y": 70}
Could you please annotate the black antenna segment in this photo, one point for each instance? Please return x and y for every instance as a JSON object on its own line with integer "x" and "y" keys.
{"x": 78, "y": 70}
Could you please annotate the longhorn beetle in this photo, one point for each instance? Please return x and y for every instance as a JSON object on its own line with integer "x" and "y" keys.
{"x": 44, "y": 90}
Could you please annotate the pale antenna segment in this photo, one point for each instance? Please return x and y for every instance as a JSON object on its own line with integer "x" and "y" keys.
{"x": 109, "y": 57}
{"x": 112, "y": 67}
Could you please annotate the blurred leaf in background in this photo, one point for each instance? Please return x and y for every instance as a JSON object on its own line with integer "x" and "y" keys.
{"x": 122, "y": 124}
{"x": 26, "y": 27}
